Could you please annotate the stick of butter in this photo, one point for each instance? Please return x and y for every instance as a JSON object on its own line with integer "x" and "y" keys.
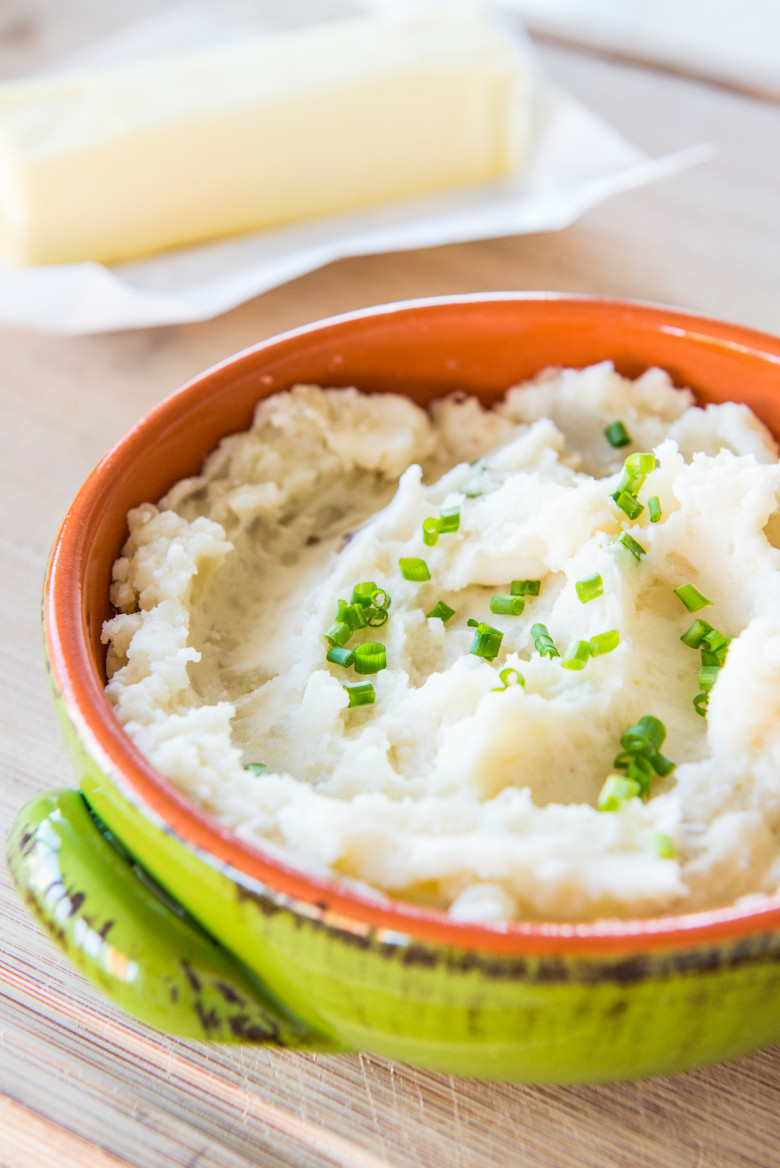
{"x": 118, "y": 162}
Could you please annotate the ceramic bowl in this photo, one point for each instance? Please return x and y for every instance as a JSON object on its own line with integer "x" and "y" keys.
{"x": 198, "y": 933}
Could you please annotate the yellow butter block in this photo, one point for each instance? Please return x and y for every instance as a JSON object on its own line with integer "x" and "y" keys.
{"x": 118, "y": 162}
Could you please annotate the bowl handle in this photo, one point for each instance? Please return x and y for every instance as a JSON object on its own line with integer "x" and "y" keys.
{"x": 131, "y": 939}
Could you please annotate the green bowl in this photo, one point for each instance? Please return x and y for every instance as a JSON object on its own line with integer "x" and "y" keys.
{"x": 196, "y": 932}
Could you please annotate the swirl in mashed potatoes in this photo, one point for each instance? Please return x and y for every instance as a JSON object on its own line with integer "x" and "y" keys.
{"x": 449, "y": 790}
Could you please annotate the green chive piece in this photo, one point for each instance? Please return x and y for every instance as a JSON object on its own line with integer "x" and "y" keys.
{"x": 473, "y": 624}
{"x": 363, "y": 593}
{"x": 590, "y": 588}
{"x": 376, "y": 617}
{"x": 543, "y": 641}
{"x": 636, "y": 549}
{"x": 509, "y": 677}
{"x": 640, "y": 771}
{"x": 663, "y": 846}
{"x": 654, "y": 509}
{"x": 641, "y": 756}
{"x": 604, "y": 643}
{"x": 487, "y": 641}
{"x": 616, "y": 792}
{"x": 414, "y": 569}
{"x": 628, "y": 482}
{"x": 338, "y": 633}
{"x": 716, "y": 642}
{"x": 442, "y": 611}
{"x": 641, "y": 463}
{"x": 340, "y": 656}
{"x": 616, "y": 434}
{"x": 525, "y": 587}
{"x": 576, "y": 656}
{"x": 355, "y": 616}
{"x": 708, "y": 675}
{"x": 380, "y": 598}
{"x": 370, "y": 657}
{"x": 360, "y": 693}
{"x": 691, "y": 597}
{"x": 449, "y": 520}
{"x": 507, "y": 605}
{"x": 629, "y": 504}
{"x": 648, "y": 731}
{"x": 694, "y": 635}
{"x": 700, "y": 703}
{"x": 256, "y": 768}
{"x": 430, "y": 528}
{"x": 661, "y": 765}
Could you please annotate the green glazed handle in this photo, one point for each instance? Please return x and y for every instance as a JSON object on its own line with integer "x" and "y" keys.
{"x": 128, "y": 937}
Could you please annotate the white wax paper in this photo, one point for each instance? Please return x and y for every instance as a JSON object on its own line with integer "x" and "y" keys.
{"x": 576, "y": 161}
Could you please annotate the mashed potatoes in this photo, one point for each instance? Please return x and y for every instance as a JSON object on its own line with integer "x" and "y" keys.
{"x": 462, "y": 785}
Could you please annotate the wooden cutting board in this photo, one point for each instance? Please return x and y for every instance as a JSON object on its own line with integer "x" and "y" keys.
{"x": 82, "y": 1087}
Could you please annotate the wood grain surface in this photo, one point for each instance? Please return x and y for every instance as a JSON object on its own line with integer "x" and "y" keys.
{"x": 82, "y": 1086}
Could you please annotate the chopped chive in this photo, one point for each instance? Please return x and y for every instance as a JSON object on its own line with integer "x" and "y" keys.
{"x": 661, "y": 765}
{"x": 256, "y": 768}
{"x": 576, "y": 656}
{"x": 641, "y": 756}
{"x": 340, "y": 656}
{"x": 442, "y": 611}
{"x": 628, "y": 541}
{"x": 635, "y": 470}
{"x": 370, "y": 657}
{"x": 376, "y": 617}
{"x": 628, "y": 482}
{"x": 700, "y": 703}
{"x": 695, "y": 634}
{"x": 487, "y": 641}
{"x": 616, "y": 434}
{"x": 380, "y": 598}
{"x": 616, "y": 791}
{"x": 708, "y": 675}
{"x": 648, "y": 731}
{"x": 414, "y": 569}
{"x": 640, "y": 769}
{"x": 525, "y": 587}
{"x": 363, "y": 593}
{"x": 590, "y": 588}
{"x": 360, "y": 693}
{"x": 449, "y": 520}
{"x": 640, "y": 463}
{"x": 629, "y": 504}
{"x": 473, "y": 624}
{"x": 543, "y": 641}
{"x": 604, "y": 643}
{"x": 509, "y": 677}
{"x": 663, "y": 846}
{"x": 338, "y": 633}
{"x": 691, "y": 597}
{"x": 507, "y": 605}
{"x": 715, "y": 642}
{"x": 654, "y": 508}
{"x": 430, "y": 530}
{"x": 355, "y": 616}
